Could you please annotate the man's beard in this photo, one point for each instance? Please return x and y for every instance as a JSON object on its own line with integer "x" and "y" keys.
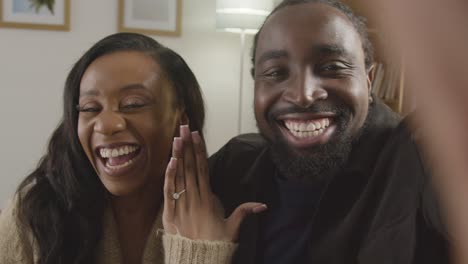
{"x": 319, "y": 163}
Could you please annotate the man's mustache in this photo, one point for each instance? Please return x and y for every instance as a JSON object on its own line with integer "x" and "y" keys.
{"x": 338, "y": 110}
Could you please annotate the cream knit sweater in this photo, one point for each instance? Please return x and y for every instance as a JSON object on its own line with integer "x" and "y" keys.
{"x": 16, "y": 247}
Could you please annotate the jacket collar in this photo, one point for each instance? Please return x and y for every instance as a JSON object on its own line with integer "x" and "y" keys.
{"x": 261, "y": 166}
{"x": 259, "y": 174}
{"x": 380, "y": 121}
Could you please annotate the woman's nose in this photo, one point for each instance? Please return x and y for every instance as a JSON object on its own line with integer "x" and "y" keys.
{"x": 109, "y": 123}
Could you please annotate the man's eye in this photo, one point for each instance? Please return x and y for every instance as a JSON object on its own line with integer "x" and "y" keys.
{"x": 275, "y": 74}
{"x": 332, "y": 68}
{"x": 335, "y": 66}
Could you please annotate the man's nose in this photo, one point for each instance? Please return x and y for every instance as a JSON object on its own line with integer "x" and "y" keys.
{"x": 109, "y": 123}
{"x": 305, "y": 89}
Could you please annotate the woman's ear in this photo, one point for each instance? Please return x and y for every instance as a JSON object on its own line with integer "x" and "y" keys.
{"x": 180, "y": 119}
{"x": 183, "y": 119}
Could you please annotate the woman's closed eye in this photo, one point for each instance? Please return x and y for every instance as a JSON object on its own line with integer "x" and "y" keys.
{"x": 133, "y": 104}
{"x": 88, "y": 108}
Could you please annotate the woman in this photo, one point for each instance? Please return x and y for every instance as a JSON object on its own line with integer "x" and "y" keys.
{"x": 97, "y": 195}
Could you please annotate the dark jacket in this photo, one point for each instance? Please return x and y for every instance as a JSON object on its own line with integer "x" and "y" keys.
{"x": 379, "y": 209}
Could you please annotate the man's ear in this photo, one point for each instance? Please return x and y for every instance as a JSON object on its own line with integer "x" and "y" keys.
{"x": 370, "y": 72}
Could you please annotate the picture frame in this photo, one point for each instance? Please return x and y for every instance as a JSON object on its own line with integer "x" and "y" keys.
{"x": 34, "y": 14}
{"x": 150, "y": 17}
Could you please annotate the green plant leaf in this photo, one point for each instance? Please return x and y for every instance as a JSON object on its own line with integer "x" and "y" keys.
{"x": 37, "y": 4}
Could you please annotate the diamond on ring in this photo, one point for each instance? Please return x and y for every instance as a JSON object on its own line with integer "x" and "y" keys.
{"x": 176, "y": 195}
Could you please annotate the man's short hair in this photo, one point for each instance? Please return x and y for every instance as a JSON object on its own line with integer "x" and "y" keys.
{"x": 358, "y": 22}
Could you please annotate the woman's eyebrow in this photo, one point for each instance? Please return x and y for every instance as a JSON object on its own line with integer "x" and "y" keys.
{"x": 89, "y": 92}
{"x": 125, "y": 88}
{"x": 132, "y": 86}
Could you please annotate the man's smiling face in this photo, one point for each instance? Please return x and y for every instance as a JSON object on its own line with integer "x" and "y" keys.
{"x": 311, "y": 87}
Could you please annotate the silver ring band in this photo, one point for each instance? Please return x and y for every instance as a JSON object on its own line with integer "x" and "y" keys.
{"x": 177, "y": 195}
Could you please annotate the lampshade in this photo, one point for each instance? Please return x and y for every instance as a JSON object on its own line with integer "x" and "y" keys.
{"x": 238, "y": 15}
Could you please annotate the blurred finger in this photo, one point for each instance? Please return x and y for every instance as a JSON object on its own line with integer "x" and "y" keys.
{"x": 202, "y": 163}
{"x": 177, "y": 152}
{"x": 190, "y": 168}
{"x": 169, "y": 184}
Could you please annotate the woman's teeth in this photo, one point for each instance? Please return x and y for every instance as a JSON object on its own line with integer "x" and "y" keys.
{"x": 116, "y": 152}
{"x": 307, "y": 128}
{"x": 119, "y": 157}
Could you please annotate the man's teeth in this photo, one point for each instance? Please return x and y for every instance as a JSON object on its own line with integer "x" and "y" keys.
{"x": 309, "y": 128}
{"x": 116, "y": 152}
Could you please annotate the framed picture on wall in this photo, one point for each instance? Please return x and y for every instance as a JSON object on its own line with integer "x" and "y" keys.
{"x": 35, "y": 14}
{"x": 151, "y": 17}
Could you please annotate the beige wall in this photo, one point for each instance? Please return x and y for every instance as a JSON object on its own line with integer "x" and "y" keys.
{"x": 34, "y": 64}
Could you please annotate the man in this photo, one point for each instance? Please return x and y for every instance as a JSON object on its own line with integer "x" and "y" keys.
{"x": 339, "y": 171}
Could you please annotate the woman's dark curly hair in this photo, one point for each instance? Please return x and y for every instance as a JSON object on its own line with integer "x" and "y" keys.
{"x": 62, "y": 201}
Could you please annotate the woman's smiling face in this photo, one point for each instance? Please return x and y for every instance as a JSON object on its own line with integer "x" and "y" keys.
{"x": 127, "y": 119}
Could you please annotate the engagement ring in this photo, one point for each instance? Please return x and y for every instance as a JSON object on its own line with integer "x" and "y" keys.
{"x": 176, "y": 195}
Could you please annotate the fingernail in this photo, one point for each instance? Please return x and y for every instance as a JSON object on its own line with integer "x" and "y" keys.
{"x": 196, "y": 137}
{"x": 177, "y": 143}
{"x": 172, "y": 163}
{"x": 259, "y": 208}
{"x": 184, "y": 131}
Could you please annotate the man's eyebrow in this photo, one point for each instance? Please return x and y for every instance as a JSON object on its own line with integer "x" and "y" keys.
{"x": 330, "y": 49}
{"x": 273, "y": 54}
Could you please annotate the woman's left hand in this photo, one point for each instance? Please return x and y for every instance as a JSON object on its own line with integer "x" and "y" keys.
{"x": 190, "y": 207}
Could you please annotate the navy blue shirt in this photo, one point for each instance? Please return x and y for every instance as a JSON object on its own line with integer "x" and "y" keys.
{"x": 286, "y": 225}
